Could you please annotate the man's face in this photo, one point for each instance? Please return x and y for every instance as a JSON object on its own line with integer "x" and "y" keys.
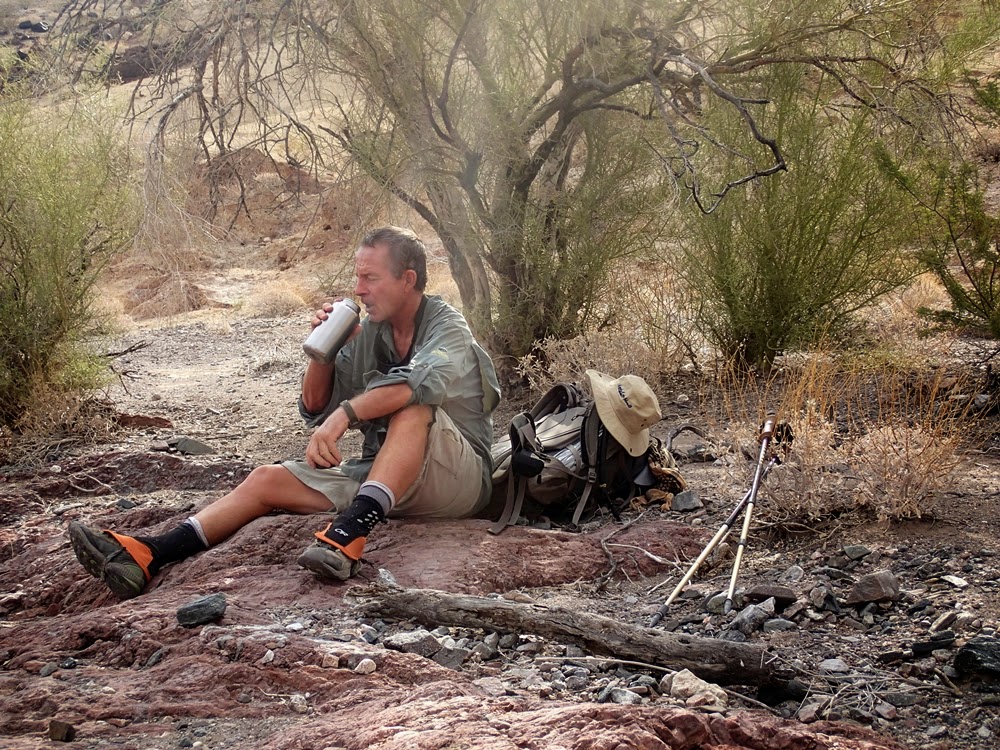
{"x": 380, "y": 292}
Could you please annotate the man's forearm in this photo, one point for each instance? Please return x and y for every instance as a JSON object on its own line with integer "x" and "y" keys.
{"x": 380, "y": 402}
{"x": 317, "y": 386}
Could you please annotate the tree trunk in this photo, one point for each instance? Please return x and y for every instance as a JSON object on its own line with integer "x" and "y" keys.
{"x": 465, "y": 257}
{"x": 722, "y": 662}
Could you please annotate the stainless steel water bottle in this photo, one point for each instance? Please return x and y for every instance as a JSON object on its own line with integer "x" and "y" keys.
{"x": 326, "y": 339}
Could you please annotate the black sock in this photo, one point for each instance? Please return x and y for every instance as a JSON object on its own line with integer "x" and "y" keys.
{"x": 356, "y": 521}
{"x": 177, "y": 544}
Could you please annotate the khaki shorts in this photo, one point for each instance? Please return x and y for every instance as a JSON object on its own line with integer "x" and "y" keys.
{"x": 449, "y": 486}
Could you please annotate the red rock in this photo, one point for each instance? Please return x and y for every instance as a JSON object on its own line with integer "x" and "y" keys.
{"x": 409, "y": 702}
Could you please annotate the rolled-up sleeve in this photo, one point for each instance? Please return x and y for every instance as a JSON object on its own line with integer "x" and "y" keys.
{"x": 437, "y": 363}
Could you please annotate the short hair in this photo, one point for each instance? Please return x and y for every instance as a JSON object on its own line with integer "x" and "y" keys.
{"x": 406, "y": 251}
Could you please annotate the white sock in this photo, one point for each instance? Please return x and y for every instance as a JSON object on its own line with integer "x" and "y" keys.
{"x": 379, "y": 493}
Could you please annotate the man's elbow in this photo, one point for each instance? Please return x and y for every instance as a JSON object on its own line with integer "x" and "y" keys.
{"x": 312, "y": 404}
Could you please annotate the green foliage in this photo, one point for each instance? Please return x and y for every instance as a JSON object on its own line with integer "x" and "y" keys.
{"x": 788, "y": 260}
{"x": 960, "y": 238}
{"x": 987, "y": 96}
{"x": 959, "y": 232}
{"x": 554, "y": 272}
{"x": 534, "y": 137}
{"x": 65, "y": 209}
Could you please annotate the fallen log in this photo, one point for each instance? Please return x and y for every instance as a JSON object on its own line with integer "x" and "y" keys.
{"x": 721, "y": 662}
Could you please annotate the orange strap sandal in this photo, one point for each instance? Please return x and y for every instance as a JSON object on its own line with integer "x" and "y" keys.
{"x": 352, "y": 549}
{"x": 142, "y": 555}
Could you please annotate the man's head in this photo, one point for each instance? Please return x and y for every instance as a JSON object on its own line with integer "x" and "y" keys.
{"x": 391, "y": 266}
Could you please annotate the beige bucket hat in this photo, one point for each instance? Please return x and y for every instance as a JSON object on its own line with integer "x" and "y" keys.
{"x": 627, "y": 407}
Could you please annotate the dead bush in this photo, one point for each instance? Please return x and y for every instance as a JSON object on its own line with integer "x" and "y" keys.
{"x": 868, "y": 443}
{"x": 614, "y": 353}
{"x": 988, "y": 151}
{"x": 275, "y": 300}
{"x": 645, "y": 333}
{"x": 163, "y": 295}
{"x": 56, "y": 419}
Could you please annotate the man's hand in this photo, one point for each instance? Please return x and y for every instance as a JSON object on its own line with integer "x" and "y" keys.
{"x": 323, "y": 451}
{"x": 324, "y": 312}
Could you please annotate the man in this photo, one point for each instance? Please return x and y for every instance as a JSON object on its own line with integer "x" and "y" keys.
{"x": 415, "y": 382}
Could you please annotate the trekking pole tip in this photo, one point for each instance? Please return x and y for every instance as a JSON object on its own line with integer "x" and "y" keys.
{"x": 727, "y": 606}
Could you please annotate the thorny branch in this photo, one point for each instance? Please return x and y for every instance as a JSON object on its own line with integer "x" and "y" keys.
{"x": 259, "y": 79}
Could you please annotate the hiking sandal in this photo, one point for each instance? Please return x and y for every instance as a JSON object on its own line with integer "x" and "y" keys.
{"x": 104, "y": 555}
{"x": 329, "y": 562}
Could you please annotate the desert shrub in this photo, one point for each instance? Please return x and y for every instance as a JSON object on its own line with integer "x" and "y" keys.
{"x": 66, "y": 209}
{"x": 959, "y": 235}
{"x": 789, "y": 260}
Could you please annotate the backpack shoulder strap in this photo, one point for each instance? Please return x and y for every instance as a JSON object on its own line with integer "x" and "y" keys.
{"x": 526, "y": 447}
{"x": 559, "y": 397}
{"x": 591, "y": 452}
{"x": 524, "y": 462}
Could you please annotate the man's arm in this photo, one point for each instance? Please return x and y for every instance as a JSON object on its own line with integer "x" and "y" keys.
{"x": 439, "y": 360}
{"x": 317, "y": 386}
{"x": 380, "y": 402}
{"x": 323, "y": 451}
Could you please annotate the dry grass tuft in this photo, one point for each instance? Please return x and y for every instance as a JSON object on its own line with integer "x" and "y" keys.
{"x": 276, "y": 300}
{"x": 869, "y": 443}
{"x": 287, "y": 355}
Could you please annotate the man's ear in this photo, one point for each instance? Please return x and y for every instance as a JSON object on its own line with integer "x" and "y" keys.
{"x": 410, "y": 277}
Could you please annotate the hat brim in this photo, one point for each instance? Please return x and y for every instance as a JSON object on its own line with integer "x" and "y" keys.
{"x": 635, "y": 443}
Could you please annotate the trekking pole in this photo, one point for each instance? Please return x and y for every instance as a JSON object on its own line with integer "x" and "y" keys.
{"x": 720, "y": 535}
{"x": 766, "y": 433}
{"x": 779, "y": 434}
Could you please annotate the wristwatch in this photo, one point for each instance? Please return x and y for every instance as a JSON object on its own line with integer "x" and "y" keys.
{"x": 352, "y": 417}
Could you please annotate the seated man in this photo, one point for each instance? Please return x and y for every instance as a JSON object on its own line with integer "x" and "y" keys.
{"x": 411, "y": 378}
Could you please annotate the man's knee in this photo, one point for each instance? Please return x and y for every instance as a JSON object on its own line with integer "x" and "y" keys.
{"x": 264, "y": 481}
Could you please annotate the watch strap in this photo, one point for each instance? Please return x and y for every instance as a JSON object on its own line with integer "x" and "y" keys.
{"x": 352, "y": 417}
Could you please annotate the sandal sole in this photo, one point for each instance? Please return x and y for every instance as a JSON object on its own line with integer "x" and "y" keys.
{"x": 315, "y": 560}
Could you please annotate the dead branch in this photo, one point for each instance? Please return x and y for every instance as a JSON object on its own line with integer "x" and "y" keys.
{"x": 722, "y": 662}
{"x": 137, "y": 346}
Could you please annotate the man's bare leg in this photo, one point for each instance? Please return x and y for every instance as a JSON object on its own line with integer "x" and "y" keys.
{"x": 127, "y": 563}
{"x": 401, "y": 457}
{"x": 267, "y": 489}
{"x": 397, "y": 466}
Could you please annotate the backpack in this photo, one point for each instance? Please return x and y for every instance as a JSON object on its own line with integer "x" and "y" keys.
{"x": 558, "y": 459}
